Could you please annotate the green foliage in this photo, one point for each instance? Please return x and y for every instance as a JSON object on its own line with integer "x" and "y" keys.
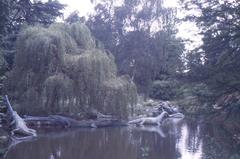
{"x": 4, "y": 16}
{"x": 59, "y": 70}
{"x": 195, "y": 98}
{"x": 141, "y": 36}
{"x": 164, "y": 90}
{"x": 82, "y": 36}
{"x": 15, "y": 14}
{"x": 3, "y": 64}
{"x": 33, "y": 12}
{"x": 219, "y": 22}
{"x": 74, "y": 17}
{"x": 115, "y": 88}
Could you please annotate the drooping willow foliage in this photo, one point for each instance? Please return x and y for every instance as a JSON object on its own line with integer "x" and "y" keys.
{"x": 60, "y": 70}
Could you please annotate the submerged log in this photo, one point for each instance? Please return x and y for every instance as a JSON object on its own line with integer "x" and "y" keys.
{"x": 66, "y": 122}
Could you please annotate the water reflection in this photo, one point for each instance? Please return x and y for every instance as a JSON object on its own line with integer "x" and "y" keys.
{"x": 190, "y": 143}
{"x": 172, "y": 141}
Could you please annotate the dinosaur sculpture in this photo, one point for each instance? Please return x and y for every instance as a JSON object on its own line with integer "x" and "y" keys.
{"x": 18, "y": 124}
{"x": 150, "y": 120}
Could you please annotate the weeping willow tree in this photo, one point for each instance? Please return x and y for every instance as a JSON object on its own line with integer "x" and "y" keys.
{"x": 60, "y": 70}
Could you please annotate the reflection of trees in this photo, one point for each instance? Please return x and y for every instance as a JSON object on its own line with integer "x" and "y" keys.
{"x": 112, "y": 143}
{"x": 207, "y": 142}
{"x": 186, "y": 140}
{"x": 100, "y": 143}
{"x": 193, "y": 140}
{"x": 218, "y": 144}
{"x": 190, "y": 142}
{"x": 154, "y": 144}
{"x": 4, "y": 147}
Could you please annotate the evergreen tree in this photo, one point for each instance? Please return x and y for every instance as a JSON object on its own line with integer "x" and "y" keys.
{"x": 14, "y": 14}
{"x": 220, "y": 25}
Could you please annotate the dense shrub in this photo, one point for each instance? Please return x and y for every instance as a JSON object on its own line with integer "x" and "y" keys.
{"x": 164, "y": 90}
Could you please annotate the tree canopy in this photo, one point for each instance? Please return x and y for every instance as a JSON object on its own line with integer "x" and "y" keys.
{"x": 219, "y": 22}
{"x": 59, "y": 69}
{"x": 142, "y": 37}
{"x": 15, "y": 14}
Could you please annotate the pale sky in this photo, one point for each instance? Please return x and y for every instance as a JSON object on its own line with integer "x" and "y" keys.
{"x": 84, "y": 7}
{"x": 187, "y": 30}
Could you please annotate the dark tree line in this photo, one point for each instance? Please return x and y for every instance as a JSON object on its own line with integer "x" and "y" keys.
{"x": 217, "y": 61}
{"x": 141, "y": 34}
{"x": 15, "y": 14}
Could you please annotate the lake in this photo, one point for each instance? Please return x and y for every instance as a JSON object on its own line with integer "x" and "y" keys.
{"x": 174, "y": 140}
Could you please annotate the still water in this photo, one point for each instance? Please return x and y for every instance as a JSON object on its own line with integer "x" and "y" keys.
{"x": 174, "y": 140}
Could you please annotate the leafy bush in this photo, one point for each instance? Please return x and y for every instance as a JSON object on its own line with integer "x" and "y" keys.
{"x": 3, "y": 64}
{"x": 164, "y": 90}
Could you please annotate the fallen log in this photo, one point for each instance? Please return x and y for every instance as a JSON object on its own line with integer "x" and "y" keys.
{"x": 66, "y": 122}
{"x": 20, "y": 126}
